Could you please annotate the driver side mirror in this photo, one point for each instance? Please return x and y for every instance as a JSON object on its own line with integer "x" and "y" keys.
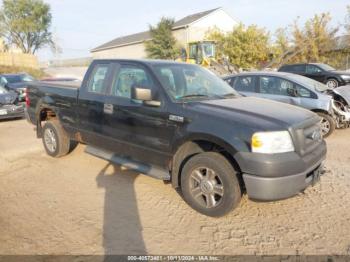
{"x": 145, "y": 95}
{"x": 292, "y": 92}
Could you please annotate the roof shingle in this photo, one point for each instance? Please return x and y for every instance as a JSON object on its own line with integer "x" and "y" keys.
{"x": 143, "y": 36}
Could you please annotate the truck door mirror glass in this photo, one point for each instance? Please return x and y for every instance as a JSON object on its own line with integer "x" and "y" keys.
{"x": 145, "y": 95}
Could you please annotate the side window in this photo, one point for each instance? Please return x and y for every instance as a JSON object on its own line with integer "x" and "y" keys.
{"x": 97, "y": 80}
{"x": 245, "y": 84}
{"x": 130, "y": 76}
{"x": 275, "y": 86}
{"x": 311, "y": 69}
{"x": 297, "y": 68}
{"x": 230, "y": 80}
{"x": 303, "y": 92}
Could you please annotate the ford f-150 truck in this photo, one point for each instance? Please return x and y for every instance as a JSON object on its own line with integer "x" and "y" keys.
{"x": 180, "y": 123}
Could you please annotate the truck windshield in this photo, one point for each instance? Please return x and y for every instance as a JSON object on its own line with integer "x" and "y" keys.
{"x": 185, "y": 82}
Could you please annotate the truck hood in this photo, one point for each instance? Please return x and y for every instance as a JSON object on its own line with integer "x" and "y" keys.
{"x": 257, "y": 112}
{"x": 8, "y": 98}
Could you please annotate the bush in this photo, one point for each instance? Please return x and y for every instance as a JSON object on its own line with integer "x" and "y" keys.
{"x": 37, "y": 73}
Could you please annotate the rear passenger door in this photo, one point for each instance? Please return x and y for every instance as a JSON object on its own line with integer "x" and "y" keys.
{"x": 278, "y": 89}
{"x": 92, "y": 96}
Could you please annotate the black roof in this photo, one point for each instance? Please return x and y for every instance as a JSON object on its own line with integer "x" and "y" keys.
{"x": 143, "y": 36}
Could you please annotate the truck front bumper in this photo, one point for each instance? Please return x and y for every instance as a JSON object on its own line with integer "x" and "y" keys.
{"x": 280, "y": 176}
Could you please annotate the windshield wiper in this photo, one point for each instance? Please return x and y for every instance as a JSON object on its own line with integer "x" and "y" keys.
{"x": 229, "y": 95}
{"x": 193, "y": 96}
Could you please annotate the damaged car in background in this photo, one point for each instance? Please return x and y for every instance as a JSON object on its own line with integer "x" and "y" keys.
{"x": 9, "y": 105}
{"x": 332, "y": 105}
{"x": 17, "y": 83}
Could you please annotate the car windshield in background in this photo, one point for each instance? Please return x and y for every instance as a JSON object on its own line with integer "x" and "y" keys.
{"x": 19, "y": 78}
{"x": 326, "y": 67}
{"x": 189, "y": 82}
{"x": 308, "y": 82}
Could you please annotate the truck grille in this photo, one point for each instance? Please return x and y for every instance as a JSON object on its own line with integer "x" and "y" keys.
{"x": 306, "y": 136}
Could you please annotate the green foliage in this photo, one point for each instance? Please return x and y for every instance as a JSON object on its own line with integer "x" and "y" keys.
{"x": 246, "y": 47}
{"x": 15, "y": 69}
{"x": 163, "y": 44}
{"x": 26, "y": 24}
{"x": 314, "y": 41}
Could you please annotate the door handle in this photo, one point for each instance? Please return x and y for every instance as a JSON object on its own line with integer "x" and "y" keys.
{"x": 108, "y": 109}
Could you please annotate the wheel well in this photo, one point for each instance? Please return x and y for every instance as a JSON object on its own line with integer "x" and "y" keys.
{"x": 191, "y": 148}
{"x": 320, "y": 111}
{"x": 44, "y": 115}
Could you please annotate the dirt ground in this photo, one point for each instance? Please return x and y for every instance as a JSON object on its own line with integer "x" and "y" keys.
{"x": 80, "y": 204}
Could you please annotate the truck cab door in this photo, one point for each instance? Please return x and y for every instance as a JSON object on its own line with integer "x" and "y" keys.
{"x": 91, "y": 100}
{"x": 135, "y": 130}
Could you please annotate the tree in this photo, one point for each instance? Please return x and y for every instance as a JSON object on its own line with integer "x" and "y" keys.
{"x": 315, "y": 40}
{"x": 347, "y": 20}
{"x": 246, "y": 47}
{"x": 26, "y": 24}
{"x": 163, "y": 44}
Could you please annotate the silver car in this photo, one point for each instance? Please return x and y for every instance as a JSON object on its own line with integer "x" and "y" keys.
{"x": 331, "y": 105}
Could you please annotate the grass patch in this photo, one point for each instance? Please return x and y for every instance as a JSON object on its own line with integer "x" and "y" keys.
{"x": 37, "y": 73}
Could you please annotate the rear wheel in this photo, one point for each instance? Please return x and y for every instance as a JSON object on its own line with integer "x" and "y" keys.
{"x": 55, "y": 139}
{"x": 332, "y": 83}
{"x": 327, "y": 124}
{"x": 210, "y": 185}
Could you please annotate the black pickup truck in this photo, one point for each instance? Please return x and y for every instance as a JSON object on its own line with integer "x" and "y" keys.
{"x": 180, "y": 123}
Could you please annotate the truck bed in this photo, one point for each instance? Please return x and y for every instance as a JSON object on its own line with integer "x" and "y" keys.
{"x": 61, "y": 95}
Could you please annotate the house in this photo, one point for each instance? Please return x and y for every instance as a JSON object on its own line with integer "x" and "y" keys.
{"x": 189, "y": 29}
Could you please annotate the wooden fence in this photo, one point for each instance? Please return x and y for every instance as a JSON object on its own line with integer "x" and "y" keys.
{"x": 18, "y": 59}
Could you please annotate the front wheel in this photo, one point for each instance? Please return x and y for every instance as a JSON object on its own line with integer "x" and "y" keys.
{"x": 327, "y": 124}
{"x": 332, "y": 83}
{"x": 210, "y": 184}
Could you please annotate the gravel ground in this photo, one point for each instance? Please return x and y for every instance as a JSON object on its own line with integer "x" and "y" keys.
{"x": 83, "y": 205}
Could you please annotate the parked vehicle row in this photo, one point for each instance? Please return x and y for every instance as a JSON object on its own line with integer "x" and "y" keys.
{"x": 320, "y": 72}
{"x": 332, "y": 105}
{"x": 180, "y": 123}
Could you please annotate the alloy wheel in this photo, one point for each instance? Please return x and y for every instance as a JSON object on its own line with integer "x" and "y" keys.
{"x": 206, "y": 187}
{"x": 50, "y": 140}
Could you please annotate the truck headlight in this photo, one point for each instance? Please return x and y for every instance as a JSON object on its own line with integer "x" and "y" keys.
{"x": 272, "y": 142}
{"x": 345, "y": 77}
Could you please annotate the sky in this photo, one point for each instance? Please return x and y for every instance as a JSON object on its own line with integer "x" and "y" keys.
{"x": 80, "y": 25}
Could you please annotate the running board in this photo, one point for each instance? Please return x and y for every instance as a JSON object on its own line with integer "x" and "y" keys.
{"x": 127, "y": 163}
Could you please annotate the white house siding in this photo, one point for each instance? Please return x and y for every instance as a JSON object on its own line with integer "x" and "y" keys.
{"x": 191, "y": 33}
{"x": 181, "y": 36}
{"x": 219, "y": 19}
{"x": 135, "y": 51}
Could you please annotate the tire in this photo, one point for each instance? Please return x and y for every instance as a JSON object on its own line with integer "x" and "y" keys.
{"x": 55, "y": 140}
{"x": 210, "y": 185}
{"x": 327, "y": 124}
{"x": 332, "y": 83}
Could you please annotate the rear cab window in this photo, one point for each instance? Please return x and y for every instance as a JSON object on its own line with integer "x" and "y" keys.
{"x": 97, "y": 81}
